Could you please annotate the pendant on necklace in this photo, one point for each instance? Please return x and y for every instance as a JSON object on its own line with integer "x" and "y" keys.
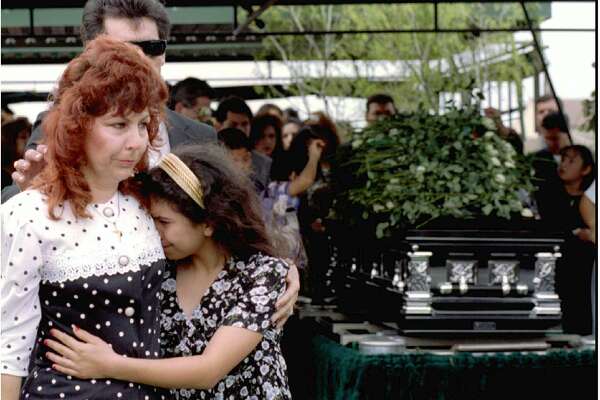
{"x": 117, "y": 231}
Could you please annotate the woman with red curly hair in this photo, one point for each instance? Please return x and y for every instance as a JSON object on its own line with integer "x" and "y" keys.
{"x": 78, "y": 249}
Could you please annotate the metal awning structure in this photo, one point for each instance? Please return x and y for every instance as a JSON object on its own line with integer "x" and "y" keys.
{"x": 39, "y": 31}
{"x": 42, "y": 31}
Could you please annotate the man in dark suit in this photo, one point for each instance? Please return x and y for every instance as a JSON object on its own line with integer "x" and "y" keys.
{"x": 551, "y": 199}
{"x": 146, "y": 24}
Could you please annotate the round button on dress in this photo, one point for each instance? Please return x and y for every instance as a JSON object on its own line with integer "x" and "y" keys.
{"x": 108, "y": 212}
{"x": 129, "y": 311}
{"x": 123, "y": 260}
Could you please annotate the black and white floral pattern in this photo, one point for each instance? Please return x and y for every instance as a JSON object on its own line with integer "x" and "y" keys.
{"x": 243, "y": 295}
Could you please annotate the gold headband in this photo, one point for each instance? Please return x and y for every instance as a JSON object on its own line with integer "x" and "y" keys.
{"x": 183, "y": 176}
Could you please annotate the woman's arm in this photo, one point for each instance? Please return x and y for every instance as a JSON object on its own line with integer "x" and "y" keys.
{"x": 588, "y": 214}
{"x": 309, "y": 173}
{"x": 93, "y": 358}
{"x": 11, "y": 386}
{"x": 21, "y": 266}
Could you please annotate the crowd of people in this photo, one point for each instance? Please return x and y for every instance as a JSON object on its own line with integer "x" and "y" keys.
{"x": 143, "y": 223}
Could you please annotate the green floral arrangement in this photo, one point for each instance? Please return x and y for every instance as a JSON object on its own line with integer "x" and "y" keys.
{"x": 414, "y": 168}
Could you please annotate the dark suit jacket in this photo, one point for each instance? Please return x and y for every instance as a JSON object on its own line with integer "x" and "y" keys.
{"x": 261, "y": 174}
{"x": 181, "y": 130}
{"x": 551, "y": 198}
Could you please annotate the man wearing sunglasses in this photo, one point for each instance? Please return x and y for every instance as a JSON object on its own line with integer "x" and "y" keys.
{"x": 144, "y": 23}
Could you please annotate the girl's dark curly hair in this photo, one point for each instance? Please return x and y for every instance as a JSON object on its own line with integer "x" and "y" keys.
{"x": 232, "y": 207}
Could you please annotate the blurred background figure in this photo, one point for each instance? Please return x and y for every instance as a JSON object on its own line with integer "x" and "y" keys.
{"x": 7, "y": 114}
{"x": 292, "y": 174}
{"x": 191, "y": 97}
{"x": 289, "y": 130}
{"x": 270, "y": 109}
{"x": 290, "y": 113}
{"x": 265, "y": 134}
{"x": 506, "y": 133}
{"x": 233, "y": 112}
{"x": 238, "y": 146}
{"x": 15, "y": 134}
{"x": 380, "y": 106}
{"x": 548, "y": 196}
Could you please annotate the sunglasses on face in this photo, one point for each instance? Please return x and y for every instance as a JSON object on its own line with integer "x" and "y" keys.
{"x": 152, "y": 48}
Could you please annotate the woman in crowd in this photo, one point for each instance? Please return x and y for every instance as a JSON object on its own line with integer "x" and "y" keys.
{"x": 218, "y": 295}
{"x": 265, "y": 134}
{"x": 270, "y": 109}
{"x": 315, "y": 206}
{"x": 289, "y": 130}
{"x": 577, "y": 171}
{"x": 77, "y": 248}
{"x": 292, "y": 174}
{"x": 14, "y": 137}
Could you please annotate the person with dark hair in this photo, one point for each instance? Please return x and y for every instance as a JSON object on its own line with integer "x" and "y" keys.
{"x": 544, "y": 105}
{"x": 555, "y": 128}
{"x": 289, "y": 130}
{"x": 379, "y": 106}
{"x": 15, "y": 134}
{"x": 265, "y": 134}
{"x": 191, "y": 97}
{"x": 238, "y": 145}
{"x": 72, "y": 243}
{"x": 577, "y": 171}
{"x": 293, "y": 173}
{"x": 290, "y": 113}
{"x": 270, "y": 109}
{"x": 7, "y": 114}
{"x": 144, "y": 23}
{"x": 545, "y": 165}
{"x": 218, "y": 293}
{"x": 233, "y": 112}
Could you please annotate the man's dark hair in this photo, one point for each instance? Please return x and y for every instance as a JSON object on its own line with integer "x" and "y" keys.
{"x": 548, "y": 97}
{"x": 232, "y": 104}
{"x": 290, "y": 113}
{"x": 380, "y": 98}
{"x": 188, "y": 90}
{"x": 234, "y": 139}
{"x": 96, "y": 11}
{"x": 556, "y": 120}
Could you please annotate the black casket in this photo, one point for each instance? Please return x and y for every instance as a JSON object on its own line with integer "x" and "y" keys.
{"x": 491, "y": 280}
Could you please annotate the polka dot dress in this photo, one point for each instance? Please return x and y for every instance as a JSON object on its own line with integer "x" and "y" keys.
{"x": 244, "y": 296}
{"x": 102, "y": 274}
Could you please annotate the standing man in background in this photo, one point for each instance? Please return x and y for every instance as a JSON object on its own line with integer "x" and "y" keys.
{"x": 379, "y": 106}
{"x": 191, "y": 97}
{"x": 233, "y": 112}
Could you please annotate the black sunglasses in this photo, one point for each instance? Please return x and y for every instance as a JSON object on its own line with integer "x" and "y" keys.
{"x": 152, "y": 48}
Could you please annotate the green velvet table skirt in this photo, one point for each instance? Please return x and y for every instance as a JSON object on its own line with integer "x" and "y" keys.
{"x": 343, "y": 373}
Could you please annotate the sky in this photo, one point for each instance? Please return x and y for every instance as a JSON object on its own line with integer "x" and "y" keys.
{"x": 569, "y": 55}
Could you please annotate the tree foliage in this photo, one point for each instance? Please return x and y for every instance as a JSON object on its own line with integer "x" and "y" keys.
{"x": 423, "y": 65}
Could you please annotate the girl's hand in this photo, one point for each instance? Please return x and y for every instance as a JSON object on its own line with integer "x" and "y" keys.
{"x": 86, "y": 358}
{"x": 315, "y": 148}
{"x": 285, "y": 304}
